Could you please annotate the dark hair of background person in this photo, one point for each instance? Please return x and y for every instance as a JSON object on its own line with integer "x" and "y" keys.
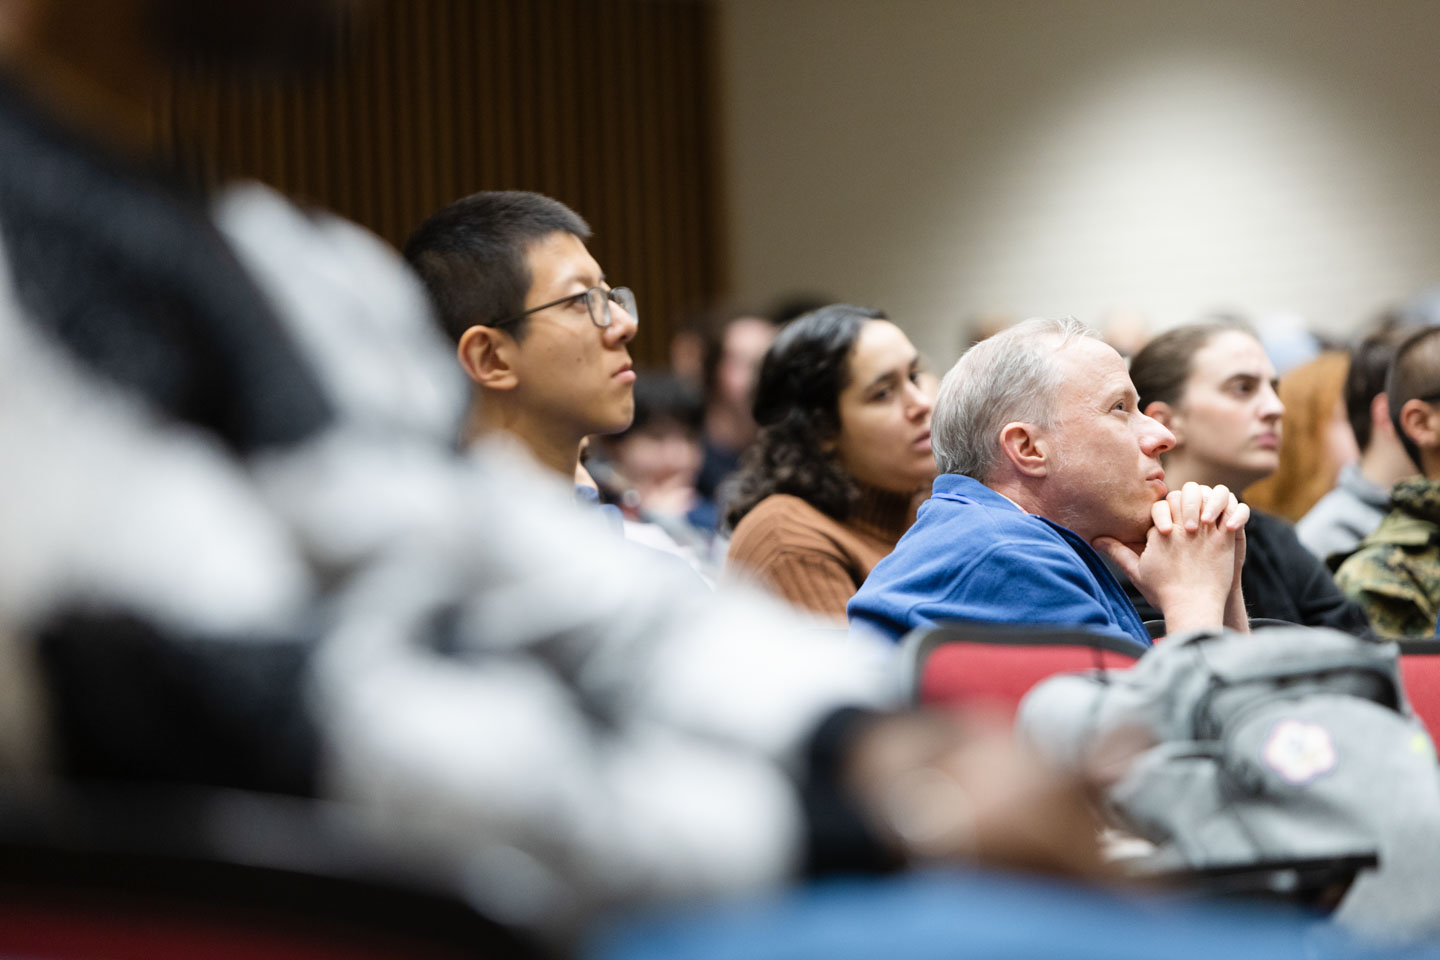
{"x": 472, "y": 255}
{"x": 797, "y": 407}
{"x": 662, "y": 398}
{"x": 1414, "y": 375}
{"x": 1369, "y": 366}
{"x": 1162, "y": 366}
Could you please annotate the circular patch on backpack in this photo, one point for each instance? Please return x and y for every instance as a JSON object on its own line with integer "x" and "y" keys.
{"x": 1298, "y": 751}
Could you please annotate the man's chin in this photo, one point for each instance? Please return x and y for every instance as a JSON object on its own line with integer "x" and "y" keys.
{"x": 1135, "y": 532}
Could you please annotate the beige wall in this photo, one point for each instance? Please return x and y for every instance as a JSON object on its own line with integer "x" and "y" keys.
{"x": 944, "y": 159}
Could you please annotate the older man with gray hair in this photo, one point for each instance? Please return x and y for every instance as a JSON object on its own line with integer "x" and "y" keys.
{"x": 1045, "y": 459}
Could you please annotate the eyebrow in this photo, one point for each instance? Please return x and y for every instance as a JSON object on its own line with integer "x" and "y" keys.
{"x": 577, "y": 278}
{"x": 1247, "y": 377}
{"x": 891, "y": 375}
{"x": 1126, "y": 392}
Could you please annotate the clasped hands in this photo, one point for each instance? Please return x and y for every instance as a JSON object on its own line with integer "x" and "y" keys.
{"x": 1189, "y": 565}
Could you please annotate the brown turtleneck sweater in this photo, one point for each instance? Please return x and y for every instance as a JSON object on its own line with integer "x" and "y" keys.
{"x": 810, "y": 559}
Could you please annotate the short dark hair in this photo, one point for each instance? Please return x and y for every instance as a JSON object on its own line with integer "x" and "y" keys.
{"x": 1414, "y": 375}
{"x": 471, "y": 255}
{"x": 797, "y": 407}
{"x": 1370, "y": 361}
{"x": 1162, "y": 366}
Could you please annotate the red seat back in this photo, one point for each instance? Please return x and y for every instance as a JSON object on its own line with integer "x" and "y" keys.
{"x": 1420, "y": 672}
{"x": 997, "y": 665}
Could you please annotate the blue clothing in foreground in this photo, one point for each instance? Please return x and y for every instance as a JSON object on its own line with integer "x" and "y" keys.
{"x": 974, "y": 555}
{"x": 942, "y": 916}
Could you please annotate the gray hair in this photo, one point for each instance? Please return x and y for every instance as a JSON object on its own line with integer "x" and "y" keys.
{"x": 1008, "y": 377}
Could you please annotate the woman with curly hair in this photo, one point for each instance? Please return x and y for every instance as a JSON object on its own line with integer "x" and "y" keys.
{"x": 843, "y": 406}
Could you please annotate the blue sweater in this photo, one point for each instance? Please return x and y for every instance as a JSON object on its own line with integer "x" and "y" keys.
{"x": 974, "y": 555}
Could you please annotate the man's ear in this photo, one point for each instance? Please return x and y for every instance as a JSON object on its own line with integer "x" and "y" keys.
{"x": 1421, "y": 423}
{"x": 488, "y": 356}
{"x": 1026, "y": 449}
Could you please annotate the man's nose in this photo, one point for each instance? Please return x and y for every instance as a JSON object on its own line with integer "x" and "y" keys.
{"x": 622, "y": 326}
{"x": 1155, "y": 437}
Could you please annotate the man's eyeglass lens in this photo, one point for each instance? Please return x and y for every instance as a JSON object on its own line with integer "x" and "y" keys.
{"x": 598, "y": 300}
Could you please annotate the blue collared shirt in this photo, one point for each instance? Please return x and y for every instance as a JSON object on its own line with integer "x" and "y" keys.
{"x": 974, "y": 555}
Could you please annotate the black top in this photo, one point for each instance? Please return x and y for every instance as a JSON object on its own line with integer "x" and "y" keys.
{"x": 1282, "y": 581}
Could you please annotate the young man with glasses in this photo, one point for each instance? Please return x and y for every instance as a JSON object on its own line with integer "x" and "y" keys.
{"x": 540, "y": 333}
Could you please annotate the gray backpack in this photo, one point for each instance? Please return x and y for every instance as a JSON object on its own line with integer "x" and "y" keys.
{"x": 1288, "y": 744}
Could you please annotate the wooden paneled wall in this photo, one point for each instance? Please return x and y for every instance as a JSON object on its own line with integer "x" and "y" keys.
{"x": 603, "y": 104}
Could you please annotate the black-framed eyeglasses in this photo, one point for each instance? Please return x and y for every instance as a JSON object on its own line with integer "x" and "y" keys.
{"x": 597, "y": 303}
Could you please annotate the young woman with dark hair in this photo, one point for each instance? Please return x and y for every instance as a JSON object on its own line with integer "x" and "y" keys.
{"x": 843, "y": 406}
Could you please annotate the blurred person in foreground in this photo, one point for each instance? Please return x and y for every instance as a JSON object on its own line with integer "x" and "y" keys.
{"x": 1316, "y": 442}
{"x": 1212, "y": 385}
{"x": 241, "y": 550}
{"x": 1045, "y": 458}
{"x": 1334, "y": 527}
{"x": 844, "y": 447}
{"x": 1395, "y": 572}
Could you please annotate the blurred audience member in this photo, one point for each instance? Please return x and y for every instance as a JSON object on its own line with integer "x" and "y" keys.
{"x": 1213, "y": 386}
{"x": 1343, "y": 517}
{"x": 1126, "y": 329}
{"x": 844, "y": 446}
{"x": 1395, "y": 572}
{"x": 986, "y": 324}
{"x": 734, "y": 347}
{"x": 1316, "y": 440}
{"x": 649, "y": 470}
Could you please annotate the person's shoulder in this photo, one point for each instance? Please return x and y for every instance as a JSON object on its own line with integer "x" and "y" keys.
{"x": 779, "y": 518}
{"x": 781, "y": 508}
{"x": 1381, "y": 564}
{"x": 993, "y": 512}
{"x": 1327, "y": 510}
{"x": 1336, "y": 522}
{"x": 1268, "y": 523}
{"x": 1399, "y": 528}
{"x": 1273, "y": 534}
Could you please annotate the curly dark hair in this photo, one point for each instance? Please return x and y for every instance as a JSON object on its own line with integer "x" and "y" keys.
{"x": 797, "y": 407}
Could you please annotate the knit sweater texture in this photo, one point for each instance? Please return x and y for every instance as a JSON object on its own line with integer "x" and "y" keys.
{"x": 811, "y": 559}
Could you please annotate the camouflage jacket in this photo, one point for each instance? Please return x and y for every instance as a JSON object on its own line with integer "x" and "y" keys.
{"x": 1395, "y": 572}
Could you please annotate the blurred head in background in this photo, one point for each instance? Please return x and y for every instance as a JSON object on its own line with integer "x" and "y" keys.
{"x": 731, "y": 348}
{"x": 658, "y": 458}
